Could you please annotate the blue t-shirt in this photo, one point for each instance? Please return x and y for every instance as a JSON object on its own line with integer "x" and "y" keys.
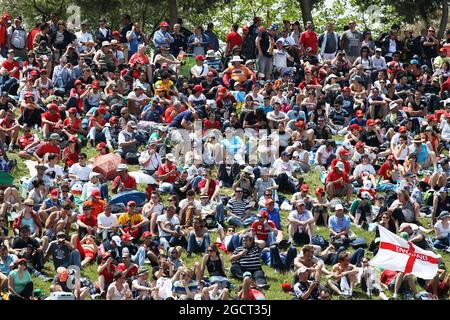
{"x": 355, "y": 121}
{"x": 274, "y": 215}
{"x": 153, "y": 115}
{"x": 233, "y": 145}
{"x": 339, "y": 224}
{"x": 176, "y": 122}
{"x": 423, "y": 155}
{"x": 4, "y": 266}
{"x": 266, "y": 109}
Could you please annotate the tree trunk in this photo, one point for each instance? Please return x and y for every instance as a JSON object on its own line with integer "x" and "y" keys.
{"x": 173, "y": 11}
{"x": 306, "y": 6}
{"x": 444, "y": 19}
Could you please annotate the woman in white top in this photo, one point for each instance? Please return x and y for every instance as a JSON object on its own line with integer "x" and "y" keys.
{"x": 119, "y": 289}
{"x": 365, "y": 168}
{"x": 365, "y": 59}
{"x": 442, "y": 232}
{"x": 94, "y": 183}
{"x": 401, "y": 150}
{"x": 150, "y": 160}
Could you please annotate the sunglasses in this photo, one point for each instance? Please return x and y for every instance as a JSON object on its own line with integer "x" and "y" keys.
{"x": 29, "y": 205}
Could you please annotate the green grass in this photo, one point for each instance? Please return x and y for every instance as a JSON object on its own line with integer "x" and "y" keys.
{"x": 275, "y": 279}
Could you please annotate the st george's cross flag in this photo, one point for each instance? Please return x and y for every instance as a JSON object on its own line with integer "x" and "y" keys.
{"x": 397, "y": 254}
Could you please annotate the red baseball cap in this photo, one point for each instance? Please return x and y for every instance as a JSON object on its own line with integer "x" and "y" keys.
{"x": 33, "y": 73}
{"x": 147, "y": 234}
{"x": 359, "y": 144}
{"x": 198, "y": 88}
{"x": 126, "y": 236}
{"x": 116, "y": 33}
{"x": 43, "y": 71}
{"x": 102, "y": 110}
{"x": 402, "y": 129}
{"x": 300, "y": 123}
{"x": 131, "y": 203}
{"x": 101, "y": 145}
{"x": 96, "y": 193}
{"x": 359, "y": 113}
{"x": 319, "y": 190}
{"x": 52, "y": 106}
{"x": 29, "y": 95}
{"x": 164, "y": 24}
{"x": 113, "y": 119}
{"x": 222, "y": 90}
{"x": 73, "y": 139}
{"x": 431, "y": 117}
{"x": 262, "y": 214}
{"x": 54, "y": 192}
{"x": 199, "y": 57}
{"x": 347, "y": 89}
{"x": 370, "y": 123}
{"x": 304, "y": 187}
{"x": 77, "y": 82}
{"x": 95, "y": 84}
{"x": 73, "y": 110}
{"x": 344, "y": 152}
{"x": 355, "y": 127}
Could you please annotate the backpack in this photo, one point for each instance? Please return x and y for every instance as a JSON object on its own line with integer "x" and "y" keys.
{"x": 320, "y": 241}
{"x": 358, "y": 243}
{"x": 390, "y": 197}
{"x": 428, "y": 197}
{"x": 132, "y": 158}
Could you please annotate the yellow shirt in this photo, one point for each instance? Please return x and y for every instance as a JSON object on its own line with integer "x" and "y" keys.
{"x": 126, "y": 220}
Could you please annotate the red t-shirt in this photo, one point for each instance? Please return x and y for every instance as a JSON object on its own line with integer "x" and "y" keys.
{"x": 164, "y": 169}
{"x": 313, "y": 82}
{"x": 51, "y": 117}
{"x": 212, "y": 186}
{"x": 333, "y": 176}
{"x": 10, "y": 65}
{"x": 207, "y": 125}
{"x": 387, "y": 276}
{"x": 71, "y": 157}
{"x": 386, "y": 171}
{"x": 346, "y": 164}
{"x": 24, "y": 140}
{"x": 109, "y": 275}
{"x": 94, "y": 119}
{"x": 261, "y": 232}
{"x": 233, "y": 38}
{"x": 48, "y": 147}
{"x": 73, "y": 124}
{"x": 129, "y": 182}
{"x": 132, "y": 272}
{"x": 91, "y": 221}
{"x": 309, "y": 39}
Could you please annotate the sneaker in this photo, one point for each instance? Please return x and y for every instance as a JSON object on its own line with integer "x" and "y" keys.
{"x": 447, "y": 249}
{"x": 264, "y": 286}
{"x": 95, "y": 296}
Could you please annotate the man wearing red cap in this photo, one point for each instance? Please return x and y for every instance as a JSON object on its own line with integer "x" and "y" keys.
{"x": 389, "y": 170}
{"x": 132, "y": 221}
{"x": 338, "y": 183}
{"x": 264, "y": 230}
{"x": 343, "y": 155}
{"x": 371, "y": 136}
{"x": 200, "y": 69}
{"x": 72, "y": 124}
{"x": 162, "y": 36}
{"x": 51, "y": 119}
{"x": 87, "y": 223}
{"x": 96, "y": 203}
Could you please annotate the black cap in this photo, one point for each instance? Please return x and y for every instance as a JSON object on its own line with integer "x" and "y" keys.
{"x": 24, "y": 227}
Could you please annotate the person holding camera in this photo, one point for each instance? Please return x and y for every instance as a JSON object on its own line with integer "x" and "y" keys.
{"x": 63, "y": 253}
{"x": 306, "y": 289}
{"x": 29, "y": 248}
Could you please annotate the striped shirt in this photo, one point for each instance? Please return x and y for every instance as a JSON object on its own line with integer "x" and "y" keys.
{"x": 252, "y": 260}
{"x": 238, "y": 207}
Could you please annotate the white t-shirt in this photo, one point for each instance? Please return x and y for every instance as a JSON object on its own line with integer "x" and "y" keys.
{"x": 280, "y": 58}
{"x": 174, "y": 221}
{"x": 306, "y": 215}
{"x": 198, "y": 70}
{"x": 360, "y": 168}
{"x": 105, "y": 221}
{"x": 165, "y": 287}
{"x": 183, "y": 204}
{"x": 58, "y": 171}
{"x": 82, "y": 172}
{"x": 442, "y": 231}
{"x": 153, "y": 164}
{"x": 283, "y": 167}
{"x": 87, "y": 190}
{"x": 324, "y": 153}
